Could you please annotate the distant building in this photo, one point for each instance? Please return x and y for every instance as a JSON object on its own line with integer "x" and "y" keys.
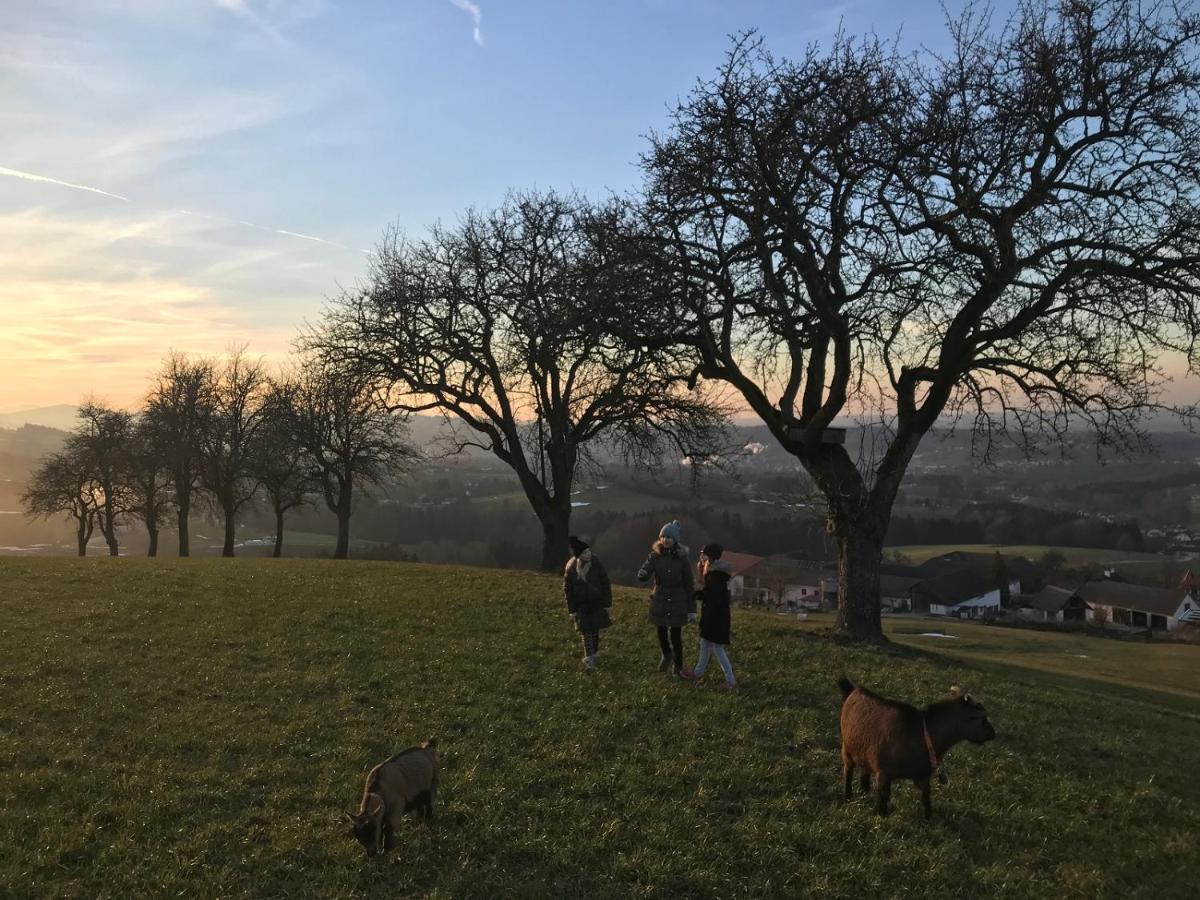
{"x": 1139, "y": 606}
{"x": 1056, "y": 604}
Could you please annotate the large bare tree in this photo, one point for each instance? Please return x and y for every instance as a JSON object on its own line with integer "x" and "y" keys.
{"x": 178, "y": 409}
{"x": 101, "y": 443}
{"x": 148, "y": 481}
{"x": 501, "y": 325}
{"x": 1006, "y": 232}
{"x": 62, "y": 485}
{"x": 235, "y": 416}
{"x": 349, "y": 435}
{"x": 281, "y": 465}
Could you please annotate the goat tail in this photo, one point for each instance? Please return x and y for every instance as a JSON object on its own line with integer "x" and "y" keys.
{"x": 846, "y": 686}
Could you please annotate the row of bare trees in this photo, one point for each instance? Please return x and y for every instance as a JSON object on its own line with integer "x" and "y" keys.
{"x": 225, "y": 434}
{"x": 1006, "y": 232}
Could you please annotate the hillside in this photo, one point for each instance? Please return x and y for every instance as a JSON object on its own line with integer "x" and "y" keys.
{"x": 198, "y": 727}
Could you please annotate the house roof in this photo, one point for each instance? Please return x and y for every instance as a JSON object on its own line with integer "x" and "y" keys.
{"x": 1122, "y": 595}
{"x": 1019, "y": 567}
{"x": 787, "y": 570}
{"x": 1190, "y": 580}
{"x": 740, "y": 561}
{"x": 1051, "y": 599}
{"x": 957, "y": 585}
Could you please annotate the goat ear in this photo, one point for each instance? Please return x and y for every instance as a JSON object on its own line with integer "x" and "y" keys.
{"x": 353, "y": 818}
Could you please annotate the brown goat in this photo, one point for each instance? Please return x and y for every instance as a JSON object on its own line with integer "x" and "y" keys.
{"x": 406, "y": 782}
{"x": 892, "y": 740}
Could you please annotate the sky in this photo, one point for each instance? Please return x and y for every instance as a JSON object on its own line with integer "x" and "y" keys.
{"x": 193, "y": 174}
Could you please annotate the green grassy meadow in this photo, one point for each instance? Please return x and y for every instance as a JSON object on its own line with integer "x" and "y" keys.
{"x": 197, "y": 728}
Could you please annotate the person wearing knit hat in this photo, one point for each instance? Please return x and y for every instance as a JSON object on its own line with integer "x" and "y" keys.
{"x": 714, "y": 598}
{"x": 588, "y": 593}
{"x": 672, "y": 604}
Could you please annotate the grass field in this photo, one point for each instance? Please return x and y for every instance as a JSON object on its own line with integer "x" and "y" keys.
{"x": 197, "y": 727}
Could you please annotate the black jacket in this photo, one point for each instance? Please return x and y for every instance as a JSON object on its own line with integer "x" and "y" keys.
{"x": 714, "y": 600}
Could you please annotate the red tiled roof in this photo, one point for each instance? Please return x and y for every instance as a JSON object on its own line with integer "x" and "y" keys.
{"x": 741, "y": 562}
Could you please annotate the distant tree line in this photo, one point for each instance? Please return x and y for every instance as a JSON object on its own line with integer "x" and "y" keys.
{"x": 223, "y": 435}
{"x": 1015, "y": 524}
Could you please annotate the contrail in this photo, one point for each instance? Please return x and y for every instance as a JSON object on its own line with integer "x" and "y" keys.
{"x": 266, "y": 228}
{"x": 29, "y": 176}
{"x": 476, "y": 14}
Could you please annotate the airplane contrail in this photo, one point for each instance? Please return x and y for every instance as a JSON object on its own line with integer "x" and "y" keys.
{"x": 476, "y": 14}
{"x": 29, "y": 176}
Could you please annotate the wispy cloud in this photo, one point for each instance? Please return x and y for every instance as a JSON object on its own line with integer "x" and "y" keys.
{"x": 476, "y": 13}
{"x": 242, "y": 10}
{"x": 29, "y": 176}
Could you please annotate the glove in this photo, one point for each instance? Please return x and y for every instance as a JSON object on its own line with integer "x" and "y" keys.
{"x": 691, "y": 618}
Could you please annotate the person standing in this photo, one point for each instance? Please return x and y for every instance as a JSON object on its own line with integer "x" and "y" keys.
{"x": 672, "y": 604}
{"x": 589, "y": 597}
{"x": 714, "y": 613}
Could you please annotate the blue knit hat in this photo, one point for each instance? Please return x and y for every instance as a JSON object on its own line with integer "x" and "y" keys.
{"x": 671, "y": 530}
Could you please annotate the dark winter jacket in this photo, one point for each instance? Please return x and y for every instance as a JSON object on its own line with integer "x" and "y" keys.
{"x": 714, "y": 600}
{"x": 672, "y": 598}
{"x": 588, "y": 593}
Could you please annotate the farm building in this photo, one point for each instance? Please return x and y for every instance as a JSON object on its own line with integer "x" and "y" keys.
{"x": 781, "y": 581}
{"x": 1056, "y": 604}
{"x": 1140, "y": 607}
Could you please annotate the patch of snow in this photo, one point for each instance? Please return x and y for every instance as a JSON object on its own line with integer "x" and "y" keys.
{"x": 580, "y": 503}
{"x": 938, "y": 634}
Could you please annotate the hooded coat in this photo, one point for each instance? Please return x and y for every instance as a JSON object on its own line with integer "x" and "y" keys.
{"x": 673, "y": 595}
{"x": 715, "y": 599}
{"x": 588, "y": 592}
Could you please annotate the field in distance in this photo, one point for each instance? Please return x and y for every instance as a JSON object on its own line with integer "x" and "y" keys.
{"x": 198, "y": 727}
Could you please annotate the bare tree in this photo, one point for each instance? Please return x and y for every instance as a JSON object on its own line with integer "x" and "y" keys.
{"x": 1008, "y": 233}
{"x": 62, "y": 484}
{"x": 349, "y": 435}
{"x": 101, "y": 443}
{"x": 236, "y": 415}
{"x": 501, "y": 325}
{"x": 178, "y": 409}
{"x": 280, "y": 464}
{"x": 148, "y": 481}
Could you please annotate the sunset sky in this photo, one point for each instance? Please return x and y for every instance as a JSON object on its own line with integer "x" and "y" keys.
{"x": 189, "y": 174}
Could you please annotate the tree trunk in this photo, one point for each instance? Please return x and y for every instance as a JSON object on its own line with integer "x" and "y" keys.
{"x": 153, "y": 548}
{"x": 278, "y": 534}
{"x": 108, "y": 527}
{"x": 342, "y": 550}
{"x": 556, "y": 528}
{"x": 230, "y": 529}
{"x": 82, "y": 535}
{"x": 184, "y": 542}
{"x": 859, "y": 552}
{"x": 342, "y": 509}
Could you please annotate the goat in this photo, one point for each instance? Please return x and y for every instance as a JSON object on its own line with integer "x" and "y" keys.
{"x": 893, "y": 740}
{"x": 405, "y": 782}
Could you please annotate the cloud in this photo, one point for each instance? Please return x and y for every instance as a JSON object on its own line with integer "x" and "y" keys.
{"x": 29, "y": 176}
{"x": 476, "y": 13}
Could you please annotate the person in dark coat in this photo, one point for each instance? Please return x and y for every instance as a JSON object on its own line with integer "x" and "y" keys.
{"x": 714, "y": 613}
{"x": 672, "y": 604}
{"x": 589, "y": 597}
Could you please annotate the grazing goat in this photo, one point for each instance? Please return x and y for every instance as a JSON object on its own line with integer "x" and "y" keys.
{"x": 407, "y": 781}
{"x": 893, "y": 740}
